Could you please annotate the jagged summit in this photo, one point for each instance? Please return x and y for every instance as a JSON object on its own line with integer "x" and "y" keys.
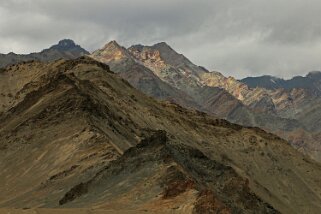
{"x": 12, "y": 53}
{"x": 112, "y": 44}
{"x": 314, "y": 74}
{"x": 157, "y": 45}
{"x": 112, "y": 51}
{"x": 162, "y": 52}
{"x": 136, "y": 47}
{"x": 265, "y": 81}
{"x": 66, "y": 43}
{"x": 163, "y": 45}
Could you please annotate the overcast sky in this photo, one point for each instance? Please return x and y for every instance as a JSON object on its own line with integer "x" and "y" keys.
{"x": 237, "y": 37}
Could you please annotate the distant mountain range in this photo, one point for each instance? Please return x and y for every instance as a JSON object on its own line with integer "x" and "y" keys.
{"x": 65, "y": 49}
{"x": 311, "y": 82}
{"x": 288, "y": 108}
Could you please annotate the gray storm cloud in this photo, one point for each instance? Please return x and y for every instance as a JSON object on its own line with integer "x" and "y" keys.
{"x": 238, "y": 38}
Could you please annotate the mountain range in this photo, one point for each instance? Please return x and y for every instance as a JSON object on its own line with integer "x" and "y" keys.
{"x": 290, "y": 113}
{"x": 143, "y": 129}
{"x": 311, "y": 82}
{"x": 288, "y": 108}
{"x": 77, "y": 135}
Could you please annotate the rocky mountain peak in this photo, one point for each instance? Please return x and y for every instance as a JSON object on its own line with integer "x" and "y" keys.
{"x": 163, "y": 52}
{"x": 112, "y": 45}
{"x": 265, "y": 81}
{"x": 145, "y": 53}
{"x": 111, "y": 51}
{"x": 163, "y": 45}
{"x": 166, "y": 50}
{"x": 314, "y": 74}
{"x": 66, "y": 45}
{"x": 138, "y": 47}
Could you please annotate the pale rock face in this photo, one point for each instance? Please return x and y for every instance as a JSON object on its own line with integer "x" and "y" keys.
{"x": 110, "y": 52}
{"x": 151, "y": 59}
{"x": 216, "y": 79}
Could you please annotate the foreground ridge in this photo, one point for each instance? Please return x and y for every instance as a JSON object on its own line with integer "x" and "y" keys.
{"x": 73, "y": 134}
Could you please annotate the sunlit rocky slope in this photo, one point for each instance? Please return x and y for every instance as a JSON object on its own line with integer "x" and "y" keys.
{"x": 292, "y": 113}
